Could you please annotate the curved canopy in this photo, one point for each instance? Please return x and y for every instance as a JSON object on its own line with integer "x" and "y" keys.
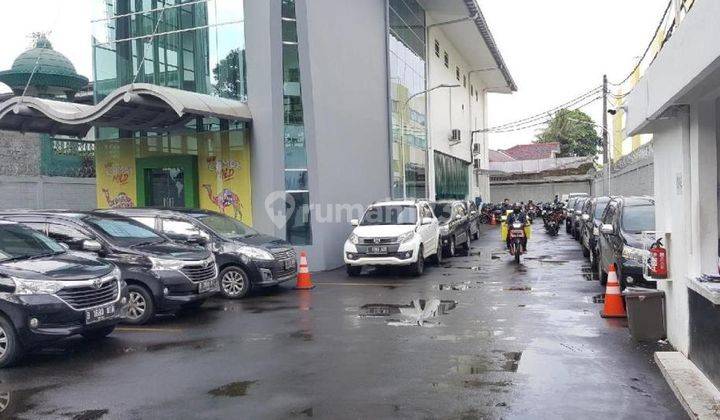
{"x": 139, "y": 106}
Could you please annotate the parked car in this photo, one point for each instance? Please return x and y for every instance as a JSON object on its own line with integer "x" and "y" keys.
{"x": 591, "y": 227}
{"x": 246, "y": 259}
{"x": 162, "y": 276}
{"x": 577, "y": 217}
{"x": 393, "y": 233}
{"x": 473, "y": 218}
{"x": 48, "y": 293}
{"x": 620, "y": 240}
{"x": 454, "y": 226}
{"x": 569, "y": 213}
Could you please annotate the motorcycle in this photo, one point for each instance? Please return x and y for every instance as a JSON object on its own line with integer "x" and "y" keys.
{"x": 553, "y": 219}
{"x": 516, "y": 235}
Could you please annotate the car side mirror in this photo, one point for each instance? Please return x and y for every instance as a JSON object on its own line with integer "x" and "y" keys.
{"x": 607, "y": 229}
{"x": 354, "y": 222}
{"x": 91, "y": 245}
{"x": 427, "y": 220}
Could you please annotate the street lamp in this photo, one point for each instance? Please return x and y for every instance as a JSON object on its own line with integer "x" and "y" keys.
{"x": 402, "y": 110}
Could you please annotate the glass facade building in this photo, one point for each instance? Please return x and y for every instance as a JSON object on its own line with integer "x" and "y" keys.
{"x": 298, "y": 227}
{"x": 406, "y": 55}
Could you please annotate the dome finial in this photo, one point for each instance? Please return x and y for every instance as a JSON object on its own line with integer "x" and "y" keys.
{"x": 40, "y": 40}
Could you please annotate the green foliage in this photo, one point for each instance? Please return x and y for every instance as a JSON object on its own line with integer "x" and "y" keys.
{"x": 229, "y": 73}
{"x": 575, "y": 131}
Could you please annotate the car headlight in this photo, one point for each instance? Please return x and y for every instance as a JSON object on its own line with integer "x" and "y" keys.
{"x": 162, "y": 264}
{"x": 353, "y": 238}
{"x": 637, "y": 255}
{"x": 406, "y": 237}
{"x": 254, "y": 253}
{"x": 36, "y": 287}
{"x": 444, "y": 230}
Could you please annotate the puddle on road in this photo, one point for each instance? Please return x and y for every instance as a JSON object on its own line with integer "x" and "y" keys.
{"x": 198, "y": 344}
{"x": 492, "y": 386}
{"x": 19, "y": 401}
{"x": 304, "y": 335}
{"x": 307, "y": 412}
{"x": 461, "y": 287}
{"x": 88, "y": 414}
{"x": 518, "y": 289}
{"x": 499, "y": 361}
{"x": 263, "y": 309}
{"x": 233, "y": 389}
{"x": 419, "y": 312}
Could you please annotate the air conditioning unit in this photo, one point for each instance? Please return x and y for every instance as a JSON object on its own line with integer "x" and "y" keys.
{"x": 455, "y": 136}
{"x": 477, "y": 149}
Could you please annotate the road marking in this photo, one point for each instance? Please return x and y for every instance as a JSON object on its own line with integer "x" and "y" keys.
{"x": 360, "y": 284}
{"x": 143, "y": 329}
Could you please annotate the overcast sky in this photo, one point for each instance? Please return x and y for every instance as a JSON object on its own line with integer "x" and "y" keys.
{"x": 555, "y": 49}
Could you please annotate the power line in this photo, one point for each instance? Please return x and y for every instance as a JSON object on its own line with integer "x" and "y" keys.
{"x": 548, "y": 119}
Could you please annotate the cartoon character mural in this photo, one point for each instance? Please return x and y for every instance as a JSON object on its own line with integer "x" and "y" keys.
{"x": 120, "y": 201}
{"x": 116, "y": 186}
{"x": 226, "y": 198}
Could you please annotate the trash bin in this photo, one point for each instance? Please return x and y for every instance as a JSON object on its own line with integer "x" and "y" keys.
{"x": 646, "y": 313}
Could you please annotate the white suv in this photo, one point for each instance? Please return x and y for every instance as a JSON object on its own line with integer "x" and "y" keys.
{"x": 401, "y": 233}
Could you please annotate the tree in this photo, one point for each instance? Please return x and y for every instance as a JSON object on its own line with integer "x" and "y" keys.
{"x": 230, "y": 75}
{"x": 575, "y": 131}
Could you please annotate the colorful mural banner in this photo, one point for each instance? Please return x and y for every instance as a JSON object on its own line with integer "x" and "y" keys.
{"x": 116, "y": 175}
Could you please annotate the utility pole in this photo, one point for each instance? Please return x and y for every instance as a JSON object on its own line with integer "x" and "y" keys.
{"x": 606, "y": 153}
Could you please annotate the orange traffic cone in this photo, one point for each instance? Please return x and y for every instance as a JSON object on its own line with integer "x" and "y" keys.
{"x": 614, "y": 306}
{"x": 493, "y": 221}
{"x": 303, "y": 277}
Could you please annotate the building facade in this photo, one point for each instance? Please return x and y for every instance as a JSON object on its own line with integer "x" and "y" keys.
{"x": 291, "y": 115}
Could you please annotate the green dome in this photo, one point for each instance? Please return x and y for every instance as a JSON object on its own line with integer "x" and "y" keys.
{"x": 55, "y": 74}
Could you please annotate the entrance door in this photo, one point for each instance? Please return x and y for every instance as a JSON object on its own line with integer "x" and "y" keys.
{"x": 168, "y": 181}
{"x": 167, "y": 187}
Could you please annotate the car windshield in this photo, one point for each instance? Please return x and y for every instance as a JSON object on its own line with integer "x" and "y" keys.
{"x": 443, "y": 211}
{"x": 227, "y": 226}
{"x": 390, "y": 215}
{"x": 18, "y": 242}
{"x": 124, "y": 232}
{"x": 600, "y": 208}
{"x": 637, "y": 219}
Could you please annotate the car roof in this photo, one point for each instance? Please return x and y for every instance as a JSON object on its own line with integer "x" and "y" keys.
{"x": 67, "y": 214}
{"x": 637, "y": 201}
{"x": 7, "y": 222}
{"x": 396, "y": 203}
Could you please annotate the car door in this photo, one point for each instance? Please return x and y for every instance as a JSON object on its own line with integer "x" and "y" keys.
{"x": 615, "y": 240}
{"x": 462, "y": 222}
{"x": 424, "y": 230}
{"x": 604, "y": 250}
{"x": 181, "y": 230}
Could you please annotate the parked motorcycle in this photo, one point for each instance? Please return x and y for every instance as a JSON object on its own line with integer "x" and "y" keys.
{"x": 553, "y": 219}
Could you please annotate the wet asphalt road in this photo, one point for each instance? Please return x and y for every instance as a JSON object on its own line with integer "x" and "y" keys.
{"x": 508, "y": 342}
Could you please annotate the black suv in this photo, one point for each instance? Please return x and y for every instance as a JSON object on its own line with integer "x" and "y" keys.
{"x": 590, "y": 228}
{"x": 246, "y": 258}
{"x": 473, "y": 218}
{"x": 577, "y": 217}
{"x": 162, "y": 276}
{"x": 454, "y": 226}
{"x": 48, "y": 293}
{"x": 620, "y": 242}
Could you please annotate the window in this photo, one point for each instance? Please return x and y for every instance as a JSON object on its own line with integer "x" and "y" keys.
{"x": 426, "y": 212}
{"x": 179, "y": 228}
{"x": 464, "y": 81}
{"x": 609, "y": 214}
{"x": 472, "y": 91}
{"x": 147, "y": 221}
{"x": 457, "y": 73}
{"x": 70, "y": 236}
{"x": 437, "y": 49}
{"x": 446, "y": 59}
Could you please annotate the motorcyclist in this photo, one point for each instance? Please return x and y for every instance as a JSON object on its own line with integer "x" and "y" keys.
{"x": 517, "y": 216}
{"x": 506, "y": 205}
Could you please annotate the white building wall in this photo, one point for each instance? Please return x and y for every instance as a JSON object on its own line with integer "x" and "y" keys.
{"x": 452, "y": 108}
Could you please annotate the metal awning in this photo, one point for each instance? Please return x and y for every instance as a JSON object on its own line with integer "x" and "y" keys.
{"x": 139, "y": 106}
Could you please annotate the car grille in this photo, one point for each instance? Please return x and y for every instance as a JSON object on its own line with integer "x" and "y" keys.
{"x": 284, "y": 254}
{"x": 200, "y": 272}
{"x": 377, "y": 241}
{"x": 89, "y": 296}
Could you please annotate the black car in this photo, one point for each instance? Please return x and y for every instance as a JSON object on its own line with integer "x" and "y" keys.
{"x": 454, "y": 226}
{"x": 246, "y": 259}
{"x": 620, "y": 241}
{"x": 569, "y": 214}
{"x": 590, "y": 228}
{"x": 577, "y": 217}
{"x": 48, "y": 293}
{"x": 473, "y": 218}
{"x": 163, "y": 276}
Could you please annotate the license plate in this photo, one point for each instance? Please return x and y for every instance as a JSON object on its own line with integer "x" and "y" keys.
{"x": 516, "y": 234}
{"x": 208, "y": 285}
{"x": 378, "y": 250}
{"x": 99, "y": 314}
{"x": 288, "y": 264}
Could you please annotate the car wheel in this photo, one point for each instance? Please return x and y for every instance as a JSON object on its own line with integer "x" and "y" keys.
{"x": 466, "y": 248}
{"x": 98, "y": 333}
{"x": 141, "y": 307}
{"x": 593, "y": 260}
{"x": 234, "y": 283}
{"x": 586, "y": 252}
{"x": 353, "y": 270}
{"x": 10, "y": 348}
{"x": 438, "y": 257}
{"x": 418, "y": 268}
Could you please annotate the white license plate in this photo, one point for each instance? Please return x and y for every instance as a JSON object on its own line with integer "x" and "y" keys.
{"x": 99, "y": 314}
{"x": 288, "y": 264}
{"x": 208, "y": 285}
{"x": 516, "y": 234}
{"x": 378, "y": 250}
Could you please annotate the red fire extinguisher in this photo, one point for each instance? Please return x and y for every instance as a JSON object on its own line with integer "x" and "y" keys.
{"x": 658, "y": 261}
